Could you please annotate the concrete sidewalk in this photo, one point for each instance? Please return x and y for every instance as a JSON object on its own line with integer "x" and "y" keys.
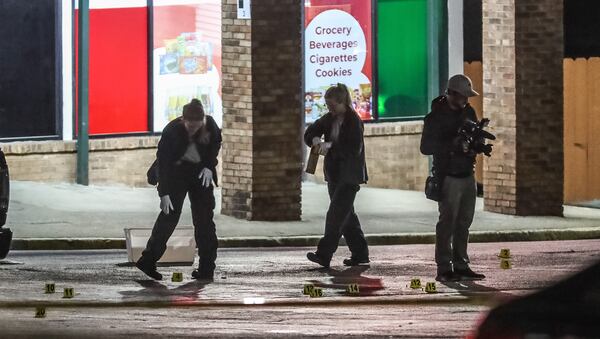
{"x": 67, "y": 216}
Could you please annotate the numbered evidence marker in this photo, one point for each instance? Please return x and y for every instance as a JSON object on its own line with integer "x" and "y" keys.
{"x": 415, "y": 283}
{"x": 504, "y": 253}
{"x": 353, "y": 289}
{"x": 177, "y": 277}
{"x": 430, "y": 287}
{"x": 308, "y": 288}
{"x": 50, "y": 288}
{"x": 316, "y": 293}
{"x": 505, "y": 264}
{"x": 40, "y": 312}
{"x": 69, "y": 292}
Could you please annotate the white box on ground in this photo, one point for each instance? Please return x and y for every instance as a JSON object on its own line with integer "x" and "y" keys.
{"x": 181, "y": 247}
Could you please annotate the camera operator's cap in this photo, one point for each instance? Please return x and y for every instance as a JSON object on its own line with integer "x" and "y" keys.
{"x": 462, "y": 85}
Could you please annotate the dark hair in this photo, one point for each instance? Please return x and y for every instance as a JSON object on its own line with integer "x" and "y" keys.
{"x": 341, "y": 94}
{"x": 193, "y": 111}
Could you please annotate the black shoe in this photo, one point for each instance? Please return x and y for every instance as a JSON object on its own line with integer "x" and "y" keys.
{"x": 468, "y": 274}
{"x": 317, "y": 259}
{"x": 149, "y": 271}
{"x": 447, "y": 276}
{"x": 199, "y": 275}
{"x": 356, "y": 262}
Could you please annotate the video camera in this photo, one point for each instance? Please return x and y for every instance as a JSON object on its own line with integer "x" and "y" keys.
{"x": 475, "y": 136}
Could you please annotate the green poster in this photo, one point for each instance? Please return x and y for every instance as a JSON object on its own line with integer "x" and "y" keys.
{"x": 402, "y": 59}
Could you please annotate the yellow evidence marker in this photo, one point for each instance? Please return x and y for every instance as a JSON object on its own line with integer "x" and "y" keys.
{"x": 308, "y": 288}
{"x": 353, "y": 289}
{"x": 50, "y": 288}
{"x": 505, "y": 264}
{"x": 415, "y": 283}
{"x": 504, "y": 253}
{"x": 40, "y": 312}
{"x": 177, "y": 277}
{"x": 316, "y": 293}
{"x": 430, "y": 287}
{"x": 69, "y": 292}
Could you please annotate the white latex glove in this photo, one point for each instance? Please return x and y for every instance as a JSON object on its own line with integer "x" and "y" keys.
{"x": 206, "y": 177}
{"x": 316, "y": 141}
{"x": 324, "y": 147}
{"x": 165, "y": 204}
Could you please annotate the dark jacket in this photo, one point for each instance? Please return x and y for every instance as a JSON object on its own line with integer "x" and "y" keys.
{"x": 345, "y": 161}
{"x": 172, "y": 146}
{"x": 439, "y": 133}
{"x": 4, "y": 189}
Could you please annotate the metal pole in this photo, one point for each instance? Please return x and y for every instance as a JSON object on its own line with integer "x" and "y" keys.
{"x": 433, "y": 49}
{"x": 437, "y": 51}
{"x": 83, "y": 95}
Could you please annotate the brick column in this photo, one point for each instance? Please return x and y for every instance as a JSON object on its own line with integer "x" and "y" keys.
{"x": 523, "y": 97}
{"x": 262, "y": 106}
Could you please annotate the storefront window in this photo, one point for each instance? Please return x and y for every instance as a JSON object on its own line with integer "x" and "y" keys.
{"x": 338, "y": 49}
{"x": 118, "y": 66}
{"x": 29, "y": 70}
{"x": 187, "y": 58}
{"x": 402, "y": 59}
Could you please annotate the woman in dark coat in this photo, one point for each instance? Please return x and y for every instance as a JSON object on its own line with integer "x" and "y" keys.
{"x": 345, "y": 169}
{"x": 187, "y": 161}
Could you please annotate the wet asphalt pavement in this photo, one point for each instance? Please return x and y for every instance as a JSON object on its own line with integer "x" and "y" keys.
{"x": 258, "y": 293}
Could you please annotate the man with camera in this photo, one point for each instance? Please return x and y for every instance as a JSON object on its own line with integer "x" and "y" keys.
{"x": 452, "y": 135}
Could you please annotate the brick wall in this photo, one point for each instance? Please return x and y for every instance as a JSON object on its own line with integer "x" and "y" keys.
{"x": 540, "y": 146}
{"x": 499, "y": 104}
{"x": 523, "y": 86}
{"x": 115, "y": 160}
{"x": 278, "y": 111}
{"x": 262, "y": 67}
{"x": 237, "y": 113}
{"x": 393, "y": 156}
{"x": 392, "y": 152}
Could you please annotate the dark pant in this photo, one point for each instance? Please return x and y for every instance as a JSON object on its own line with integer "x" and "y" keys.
{"x": 457, "y": 209}
{"x": 342, "y": 220}
{"x": 202, "y": 201}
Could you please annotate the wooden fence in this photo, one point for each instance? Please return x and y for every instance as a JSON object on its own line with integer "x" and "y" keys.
{"x": 582, "y": 129}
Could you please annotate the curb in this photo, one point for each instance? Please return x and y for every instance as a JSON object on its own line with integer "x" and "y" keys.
{"x": 308, "y": 241}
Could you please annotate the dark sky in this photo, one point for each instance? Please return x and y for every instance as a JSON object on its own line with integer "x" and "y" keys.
{"x": 582, "y": 28}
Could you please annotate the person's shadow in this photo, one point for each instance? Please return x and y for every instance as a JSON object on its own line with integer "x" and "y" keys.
{"x": 154, "y": 290}
{"x": 473, "y": 289}
{"x": 340, "y": 280}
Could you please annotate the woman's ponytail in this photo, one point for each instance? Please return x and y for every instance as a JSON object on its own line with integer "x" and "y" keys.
{"x": 341, "y": 94}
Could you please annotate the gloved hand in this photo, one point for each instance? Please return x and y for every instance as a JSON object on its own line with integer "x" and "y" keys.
{"x": 206, "y": 177}
{"x": 460, "y": 144}
{"x": 484, "y": 148}
{"x": 165, "y": 204}
{"x": 324, "y": 147}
